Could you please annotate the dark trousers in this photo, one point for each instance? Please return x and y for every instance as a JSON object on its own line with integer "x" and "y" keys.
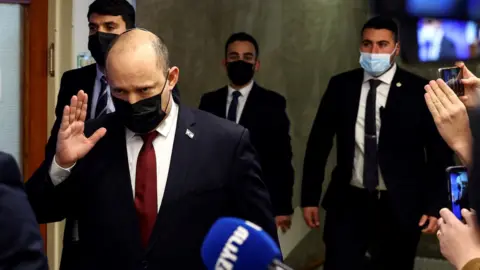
{"x": 368, "y": 223}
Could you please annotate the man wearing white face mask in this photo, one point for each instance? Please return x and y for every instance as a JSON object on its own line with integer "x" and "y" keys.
{"x": 388, "y": 184}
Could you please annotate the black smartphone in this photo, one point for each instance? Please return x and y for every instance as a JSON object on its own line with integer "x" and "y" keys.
{"x": 457, "y": 179}
{"x": 452, "y": 77}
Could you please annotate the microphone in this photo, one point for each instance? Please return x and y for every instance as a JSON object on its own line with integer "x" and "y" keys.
{"x": 234, "y": 243}
{"x": 382, "y": 112}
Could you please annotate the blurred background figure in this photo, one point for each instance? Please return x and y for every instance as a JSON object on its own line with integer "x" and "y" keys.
{"x": 433, "y": 43}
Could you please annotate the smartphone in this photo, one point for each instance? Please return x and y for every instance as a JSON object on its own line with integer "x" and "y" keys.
{"x": 457, "y": 179}
{"x": 452, "y": 77}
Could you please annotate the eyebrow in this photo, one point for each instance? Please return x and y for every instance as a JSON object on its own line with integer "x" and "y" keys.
{"x": 371, "y": 41}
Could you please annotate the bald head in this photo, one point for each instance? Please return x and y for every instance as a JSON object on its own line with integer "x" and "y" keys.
{"x": 139, "y": 42}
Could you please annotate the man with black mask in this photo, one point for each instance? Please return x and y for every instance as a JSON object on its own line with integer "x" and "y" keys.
{"x": 148, "y": 181}
{"x": 263, "y": 113}
{"x": 106, "y": 20}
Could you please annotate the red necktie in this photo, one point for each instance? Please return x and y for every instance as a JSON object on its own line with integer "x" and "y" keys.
{"x": 146, "y": 187}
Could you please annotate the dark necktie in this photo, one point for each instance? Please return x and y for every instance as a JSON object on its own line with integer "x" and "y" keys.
{"x": 370, "y": 165}
{"x": 232, "y": 110}
{"x": 102, "y": 101}
{"x": 146, "y": 187}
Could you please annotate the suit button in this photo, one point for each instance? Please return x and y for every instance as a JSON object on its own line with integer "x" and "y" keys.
{"x": 145, "y": 264}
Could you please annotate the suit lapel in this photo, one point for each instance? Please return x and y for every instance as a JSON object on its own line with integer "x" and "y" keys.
{"x": 221, "y": 103}
{"x": 119, "y": 173}
{"x": 250, "y": 105}
{"x": 183, "y": 145}
{"x": 352, "y": 104}
{"x": 88, "y": 84}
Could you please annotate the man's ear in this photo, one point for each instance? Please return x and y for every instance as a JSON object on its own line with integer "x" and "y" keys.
{"x": 257, "y": 65}
{"x": 173, "y": 76}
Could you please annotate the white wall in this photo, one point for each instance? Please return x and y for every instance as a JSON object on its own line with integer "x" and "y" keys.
{"x": 80, "y": 27}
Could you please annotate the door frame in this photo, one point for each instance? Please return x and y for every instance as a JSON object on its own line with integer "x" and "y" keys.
{"x": 34, "y": 86}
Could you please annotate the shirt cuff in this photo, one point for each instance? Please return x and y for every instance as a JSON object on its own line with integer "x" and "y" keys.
{"x": 59, "y": 174}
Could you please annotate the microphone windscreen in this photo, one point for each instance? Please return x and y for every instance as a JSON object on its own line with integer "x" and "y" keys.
{"x": 233, "y": 243}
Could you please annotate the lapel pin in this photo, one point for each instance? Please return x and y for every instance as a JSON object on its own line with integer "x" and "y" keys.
{"x": 399, "y": 84}
{"x": 189, "y": 134}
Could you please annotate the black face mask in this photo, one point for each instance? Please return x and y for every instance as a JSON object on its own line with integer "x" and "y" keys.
{"x": 240, "y": 72}
{"x": 142, "y": 116}
{"x": 98, "y": 44}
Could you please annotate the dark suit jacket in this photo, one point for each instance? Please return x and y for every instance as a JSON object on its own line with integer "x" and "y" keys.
{"x": 213, "y": 174}
{"x": 447, "y": 49}
{"x": 264, "y": 115}
{"x": 412, "y": 155}
{"x": 21, "y": 246}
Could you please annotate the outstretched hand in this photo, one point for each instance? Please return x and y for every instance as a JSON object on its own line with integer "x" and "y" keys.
{"x": 72, "y": 144}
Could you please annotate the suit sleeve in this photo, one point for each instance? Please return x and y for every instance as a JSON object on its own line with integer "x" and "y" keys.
{"x": 203, "y": 103}
{"x": 251, "y": 197}
{"x": 21, "y": 245}
{"x": 280, "y": 160}
{"x": 43, "y": 196}
{"x": 439, "y": 156}
{"x": 319, "y": 144}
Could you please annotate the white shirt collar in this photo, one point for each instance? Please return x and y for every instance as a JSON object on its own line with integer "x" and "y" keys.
{"x": 99, "y": 73}
{"x": 244, "y": 90}
{"x": 386, "y": 77}
{"x": 165, "y": 126}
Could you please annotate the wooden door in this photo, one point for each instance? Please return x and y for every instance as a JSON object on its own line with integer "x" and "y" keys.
{"x": 32, "y": 83}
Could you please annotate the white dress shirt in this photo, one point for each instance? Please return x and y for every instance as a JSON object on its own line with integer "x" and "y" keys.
{"x": 163, "y": 146}
{"x": 381, "y": 100}
{"x": 430, "y": 47}
{"x": 96, "y": 93}
{"x": 242, "y": 99}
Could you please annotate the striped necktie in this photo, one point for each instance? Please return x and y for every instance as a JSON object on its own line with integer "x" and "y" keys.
{"x": 102, "y": 101}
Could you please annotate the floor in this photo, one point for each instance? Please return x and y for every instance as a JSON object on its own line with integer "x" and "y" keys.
{"x": 428, "y": 264}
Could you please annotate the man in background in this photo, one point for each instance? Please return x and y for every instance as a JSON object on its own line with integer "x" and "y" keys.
{"x": 21, "y": 245}
{"x": 434, "y": 45}
{"x": 106, "y": 20}
{"x": 263, "y": 113}
{"x": 389, "y": 181}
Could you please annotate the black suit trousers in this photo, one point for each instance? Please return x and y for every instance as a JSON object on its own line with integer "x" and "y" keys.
{"x": 368, "y": 224}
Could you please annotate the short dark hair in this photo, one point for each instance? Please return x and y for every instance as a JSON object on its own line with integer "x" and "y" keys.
{"x": 114, "y": 8}
{"x": 380, "y": 22}
{"x": 242, "y": 36}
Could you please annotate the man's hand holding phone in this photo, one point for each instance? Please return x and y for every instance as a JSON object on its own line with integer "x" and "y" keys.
{"x": 471, "y": 85}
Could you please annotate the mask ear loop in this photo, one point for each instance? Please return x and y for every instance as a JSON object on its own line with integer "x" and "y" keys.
{"x": 170, "y": 96}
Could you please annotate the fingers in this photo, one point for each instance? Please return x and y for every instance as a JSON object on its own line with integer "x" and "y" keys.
{"x": 442, "y": 93}
{"x": 432, "y": 226}
{"x": 448, "y": 217}
{"x": 470, "y": 218}
{"x": 449, "y": 93}
{"x": 73, "y": 108}
{"x": 83, "y": 111}
{"x": 431, "y": 107}
{"x": 439, "y": 108}
{"x": 97, "y": 136}
{"x": 472, "y": 81}
{"x": 466, "y": 72}
{"x": 80, "y": 98}
{"x": 65, "y": 118}
{"x": 423, "y": 220}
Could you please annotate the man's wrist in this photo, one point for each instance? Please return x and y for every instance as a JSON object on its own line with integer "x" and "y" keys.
{"x": 464, "y": 151}
{"x": 63, "y": 165}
